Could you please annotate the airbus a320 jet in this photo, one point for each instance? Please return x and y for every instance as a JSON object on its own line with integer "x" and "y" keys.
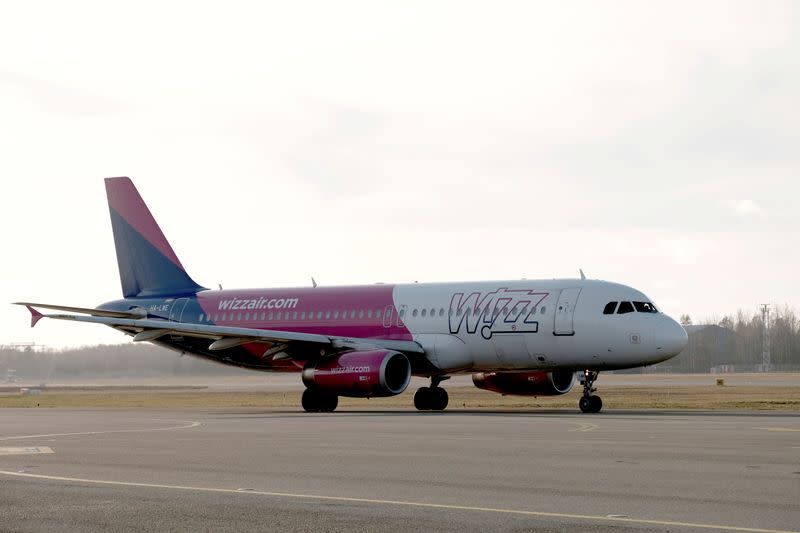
{"x": 527, "y": 337}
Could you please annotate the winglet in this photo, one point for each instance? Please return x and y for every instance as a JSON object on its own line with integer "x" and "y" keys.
{"x": 36, "y": 316}
{"x": 583, "y": 276}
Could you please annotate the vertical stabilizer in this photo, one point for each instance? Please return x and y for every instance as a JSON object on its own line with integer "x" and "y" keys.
{"x": 147, "y": 264}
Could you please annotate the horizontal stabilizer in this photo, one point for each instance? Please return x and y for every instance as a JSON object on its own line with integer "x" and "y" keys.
{"x": 134, "y": 313}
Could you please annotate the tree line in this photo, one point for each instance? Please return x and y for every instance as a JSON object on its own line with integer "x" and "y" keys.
{"x": 737, "y": 340}
{"x": 114, "y": 361}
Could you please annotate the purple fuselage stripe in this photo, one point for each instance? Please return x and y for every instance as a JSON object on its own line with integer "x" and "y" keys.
{"x": 359, "y": 311}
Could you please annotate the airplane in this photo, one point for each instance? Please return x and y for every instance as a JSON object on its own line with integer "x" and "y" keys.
{"x": 520, "y": 337}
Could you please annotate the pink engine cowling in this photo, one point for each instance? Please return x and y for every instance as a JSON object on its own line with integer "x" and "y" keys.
{"x": 526, "y": 383}
{"x": 360, "y": 374}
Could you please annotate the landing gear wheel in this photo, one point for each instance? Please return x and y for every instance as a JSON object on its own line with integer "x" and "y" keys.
{"x": 440, "y": 399}
{"x": 431, "y": 399}
{"x": 585, "y": 404}
{"x": 588, "y": 402}
{"x": 316, "y": 401}
{"x": 423, "y": 399}
{"x": 597, "y": 404}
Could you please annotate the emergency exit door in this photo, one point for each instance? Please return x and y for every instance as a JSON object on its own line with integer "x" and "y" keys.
{"x": 565, "y": 310}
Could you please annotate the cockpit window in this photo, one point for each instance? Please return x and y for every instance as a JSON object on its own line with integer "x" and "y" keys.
{"x": 625, "y": 307}
{"x": 645, "y": 307}
{"x": 609, "y": 308}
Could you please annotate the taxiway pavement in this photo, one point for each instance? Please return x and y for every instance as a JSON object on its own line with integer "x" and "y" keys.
{"x": 398, "y": 470}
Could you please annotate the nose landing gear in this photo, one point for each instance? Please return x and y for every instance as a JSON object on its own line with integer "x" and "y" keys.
{"x": 589, "y": 403}
{"x": 433, "y": 398}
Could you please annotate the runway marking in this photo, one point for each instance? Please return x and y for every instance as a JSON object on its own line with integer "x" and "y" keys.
{"x": 188, "y": 424}
{"x": 401, "y": 503}
{"x": 778, "y": 429}
{"x": 585, "y": 427}
{"x": 21, "y": 450}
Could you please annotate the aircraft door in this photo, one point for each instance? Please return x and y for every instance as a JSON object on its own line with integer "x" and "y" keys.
{"x": 176, "y": 310}
{"x": 564, "y": 312}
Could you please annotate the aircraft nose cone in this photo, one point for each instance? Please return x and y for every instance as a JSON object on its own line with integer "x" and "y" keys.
{"x": 671, "y": 338}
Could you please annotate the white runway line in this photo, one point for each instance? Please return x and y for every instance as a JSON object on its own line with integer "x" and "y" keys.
{"x": 447, "y": 507}
{"x": 187, "y": 425}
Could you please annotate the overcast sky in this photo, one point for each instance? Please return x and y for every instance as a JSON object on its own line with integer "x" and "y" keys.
{"x": 653, "y": 144}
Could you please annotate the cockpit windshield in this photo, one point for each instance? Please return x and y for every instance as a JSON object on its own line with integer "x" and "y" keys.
{"x": 629, "y": 307}
{"x": 624, "y": 308}
{"x": 645, "y": 307}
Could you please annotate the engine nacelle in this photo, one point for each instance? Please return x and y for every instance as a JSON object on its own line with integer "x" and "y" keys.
{"x": 360, "y": 374}
{"x": 526, "y": 383}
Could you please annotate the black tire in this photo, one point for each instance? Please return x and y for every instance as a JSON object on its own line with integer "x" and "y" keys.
{"x": 586, "y": 404}
{"x": 423, "y": 399}
{"x": 329, "y": 402}
{"x": 440, "y": 399}
{"x": 597, "y": 404}
{"x": 310, "y": 401}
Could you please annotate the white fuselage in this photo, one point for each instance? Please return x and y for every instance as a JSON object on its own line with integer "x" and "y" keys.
{"x": 517, "y": 325}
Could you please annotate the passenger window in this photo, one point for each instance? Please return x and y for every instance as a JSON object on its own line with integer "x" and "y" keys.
{"x": 278, "y": 316}
{"x": 424, "y": 311}
{"x": 402, "y": 313}
{"x": 441, "y": 311}
{"x": 200, "y": 318}
{"x": 352, "y": 313}
{"x": 414, "y": 312}
{"x": 216, "y": 317}
{"x": 327, "y": 315}
{"x": 262, "y": 316}
{"x": 458, "y": 313}
{"x": 625, "y": 307}
{"x": 302, "y": 315}
{"x": 369, "y": 313}
{"x": 239, "y": 316}
{"x": 319, "y": 315}
{"x": 336, "y": 314}
{"x": 645, "y": 307}
{"x": 294, "y": 315}
{"x": 360, "y": 313}
{"x": 378, "y": 314}
{"x": 544, "y": 309}
{"x": 609, "y": 308}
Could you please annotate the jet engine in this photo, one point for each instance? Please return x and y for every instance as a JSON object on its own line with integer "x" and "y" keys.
{"x": 526, "y": 383}
{"x": 360, "y": 374}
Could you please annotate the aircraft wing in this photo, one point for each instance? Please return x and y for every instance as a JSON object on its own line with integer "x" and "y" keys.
{"x": 222, "y": 337}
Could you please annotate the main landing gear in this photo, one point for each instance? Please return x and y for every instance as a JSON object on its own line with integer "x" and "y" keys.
{"x": 589, "y": 403}
{"x": 433, "y": 398}
{"x": 318, "y": 401}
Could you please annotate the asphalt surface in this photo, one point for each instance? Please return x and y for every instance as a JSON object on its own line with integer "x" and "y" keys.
{"x": 284, "y": 470}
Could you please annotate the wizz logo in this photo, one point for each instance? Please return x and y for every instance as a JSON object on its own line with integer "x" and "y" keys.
{"x": 499, "y": 311}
